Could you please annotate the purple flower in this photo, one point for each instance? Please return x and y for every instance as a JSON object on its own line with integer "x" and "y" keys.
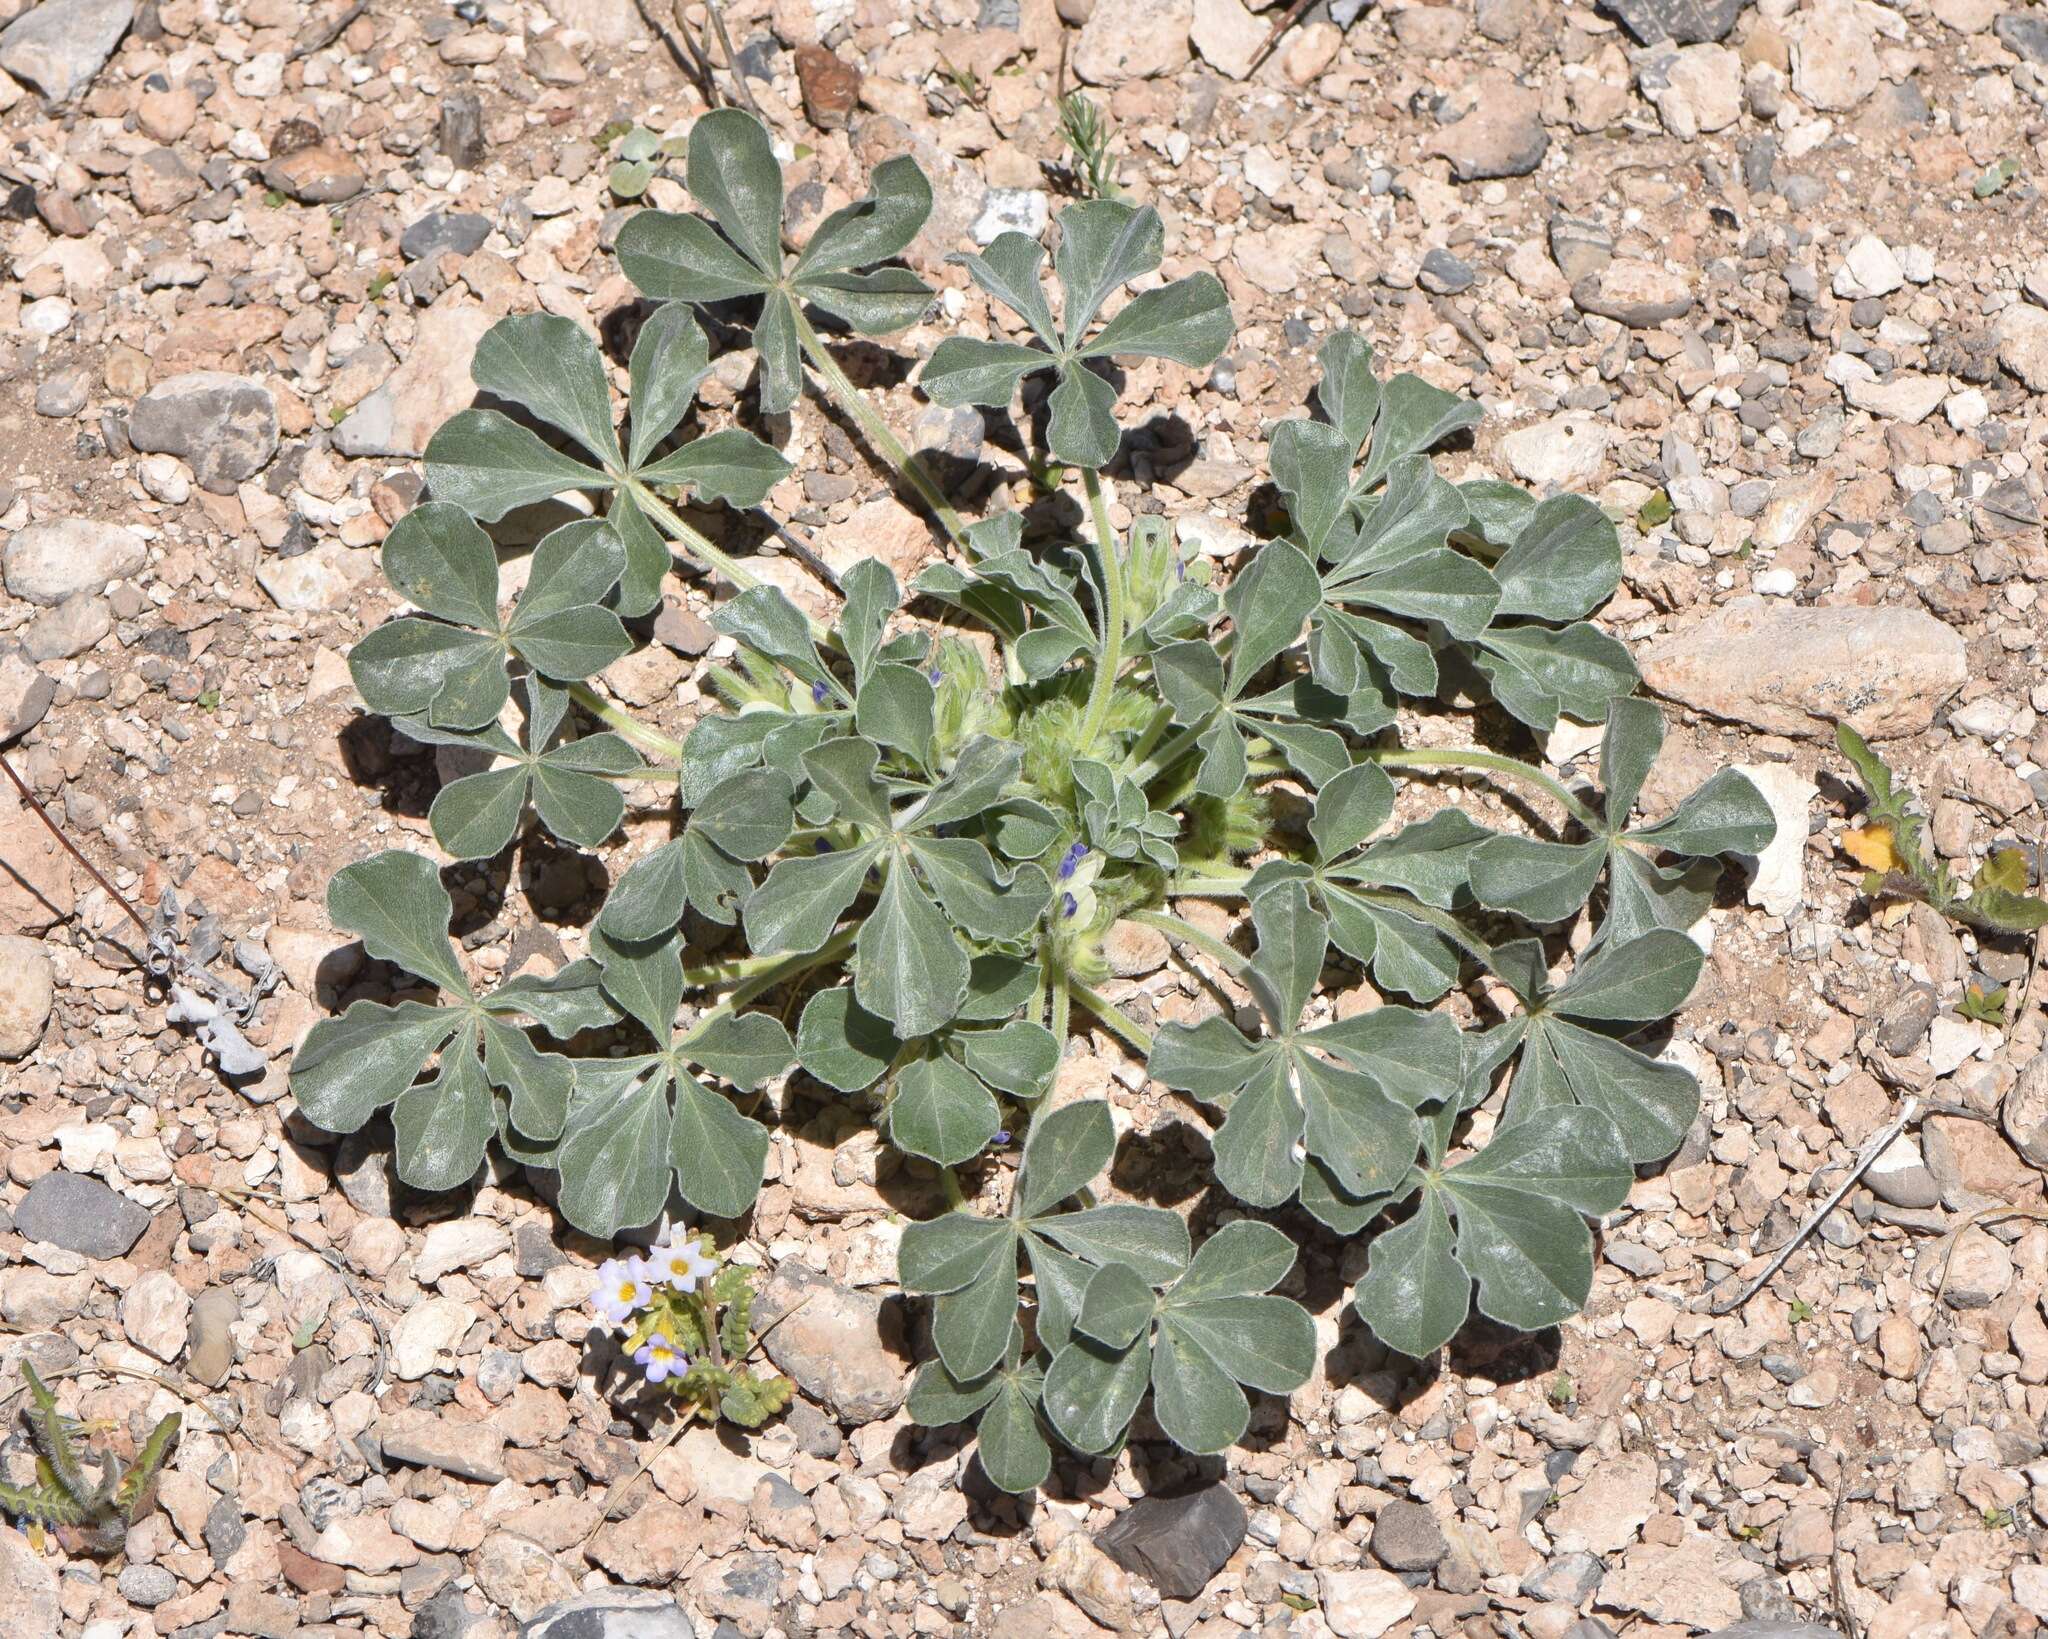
{"x": 1073, "y": 858}
{"x": 935, "y": 675}
{"x": 659, "y": 1359}
{"x": 1068, "y": 904}
{"x": 1002, "y": 1135}
{"x": 821, "y": 846}
{"x": 818, "y": 693}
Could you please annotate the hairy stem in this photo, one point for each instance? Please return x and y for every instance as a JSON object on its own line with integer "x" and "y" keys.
{"x": 1218, "y": 883}
{"x": 1110, "y": 656}
{"x": 1184, "y": 932}
{"x": 1162, "y": 720}
{"x": 691, "y": 539}
{"x": 876, "y": 431}
{"x": 1119, "y": 1023}
{"x": 1062, "y": 1011}
{"x": 647, "y": 739}
{"x": 1168, "y": 755}
{"x": 1488, "y": 761}
{"x": 766, "y": 978}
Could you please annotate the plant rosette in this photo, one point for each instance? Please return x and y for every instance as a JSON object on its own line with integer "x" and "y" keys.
{"x": 909, "y": 827}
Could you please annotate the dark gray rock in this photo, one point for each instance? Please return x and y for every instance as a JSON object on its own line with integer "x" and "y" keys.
{"x": 80, "y": 1214}
{"x": 1444, "y": 275}
{"x": 1689, "y": 22}
{"x": 224, "y": 427}
{"x": 439, "y": 232}
{"x": 2025, "y": 33}
{"x": 461, "y": 138}
{"x": 224, "y": 1531}
{"x": 1406, "y": 1537}
{"x": 1569, "y": 1579}
{"x": 1907, "y": 1020}
{"x": 1176, "y": 1543}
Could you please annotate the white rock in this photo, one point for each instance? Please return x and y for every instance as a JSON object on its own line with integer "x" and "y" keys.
{"x": 1779, "y": 886}
{"x": 1364, "y": 1604}
{"x": 1868, "y": 269}
{"x": 1228, "y": 36}
{"x": 427, "y": 1331}
{"x": 1907, "y": 397}
{"x": 49, "y": 562}
{"x": 1953, "y": 1042}
{"x": 1565, "y": 451}
{"x": 458, "y": 1243}
{"x": 154, "y": 1312}
{"x": 28, "y": 990}
{"x": 1834, "y": 60}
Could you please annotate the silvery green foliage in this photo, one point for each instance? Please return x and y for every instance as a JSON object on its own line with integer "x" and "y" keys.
{"x": 733, "y": 174}
{"x": 1412, "y": 566}
{"x": 919, "y": 845}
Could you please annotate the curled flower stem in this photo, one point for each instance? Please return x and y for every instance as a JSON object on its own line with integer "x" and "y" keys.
{"x": 876, "y": 431}
{"x": 1108, "y": 658}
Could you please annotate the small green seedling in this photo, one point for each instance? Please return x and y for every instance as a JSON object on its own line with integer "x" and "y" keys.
{"x": 1891, "y": 844}
{"x": 88, "y": 1515}
{"x": 1085, "y": 130}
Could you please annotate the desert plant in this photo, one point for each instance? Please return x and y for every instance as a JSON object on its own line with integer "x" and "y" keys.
{"x": 88, "y": 1515}
{"x": 1891, "y": 844}
{"x": 687, "y": 1323}
{"x": 924, "y": 844}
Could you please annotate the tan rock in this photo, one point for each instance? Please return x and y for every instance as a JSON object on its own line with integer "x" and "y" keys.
{"x": 1800, "y": 671}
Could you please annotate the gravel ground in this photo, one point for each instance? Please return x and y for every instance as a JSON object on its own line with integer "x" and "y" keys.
{"x": 1788, "y": 273}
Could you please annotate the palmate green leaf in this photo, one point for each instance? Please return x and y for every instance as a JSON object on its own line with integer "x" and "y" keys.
{"x": 842, "y": 1044}
{"x": 732, "y": 171}
{"x": 1104, "y": 244}
{"x": 970, "y": 1263}
{"x": 1212, "y": 1331}
{"x": 439, "y": 560}
{"x": 1012, "y": 1450}
{"x": 1565, "y": 562}
{"x": 801, "y": 900}
{"x": 670, "y": 358}
{"x": 349, "y": 1068}
{"x": 394, "y": 903}
{"x": 897, "y": 708}
{"x": 443, "y": 1126}
{"x": 1519, "y": 1208}
{"x": 1349, "y": 393}
{"x": 550, "y": 367}
{"x": 1544, "y": 881}
{"x": 1093, "y": 1391}
{"x": 1536, "y": 672}
{"x": 456, "y": 677}
{"x": 719, "y": 1155}
{"x": 730, "y": 465}
{"x": 909, "y": 966}
{"x": 1412, "y": 417}
{"x": 941, "y": 1111}
{"x": 613, "y": 1157}
{"x": 1117, "y": 1306}
{"x": 487, "y": 464}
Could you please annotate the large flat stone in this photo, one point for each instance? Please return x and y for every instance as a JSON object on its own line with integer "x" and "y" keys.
{"x": 1884, "y": 672}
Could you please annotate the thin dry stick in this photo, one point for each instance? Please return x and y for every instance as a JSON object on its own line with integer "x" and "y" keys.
{"x": 1871, "y": 1151}
{"x": 732, "y": 61}
{"x": 71, "y": 847}
{"x": 1984, "y": 1215}
{"x": 1287, "y": 21}
{"x": 1838, "y": 1588}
